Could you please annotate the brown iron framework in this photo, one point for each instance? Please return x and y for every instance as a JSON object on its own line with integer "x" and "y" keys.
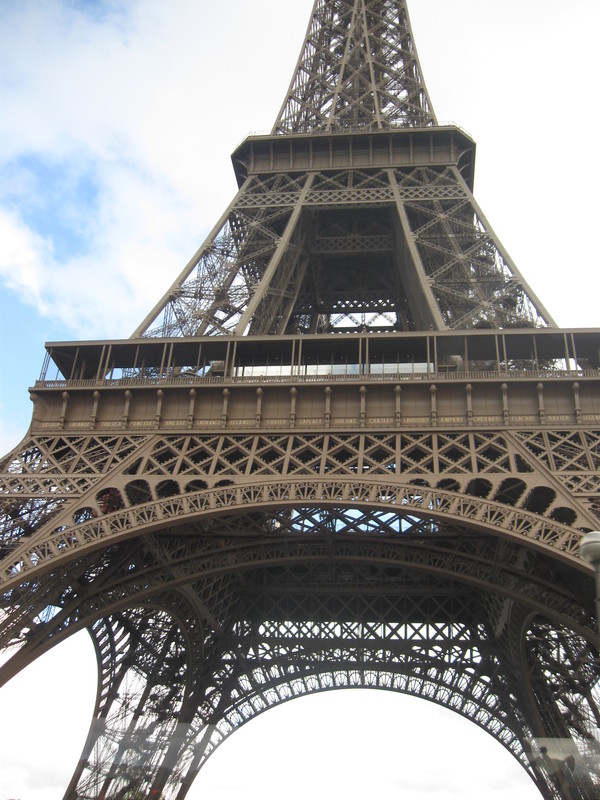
{"x": 348, "y": 448}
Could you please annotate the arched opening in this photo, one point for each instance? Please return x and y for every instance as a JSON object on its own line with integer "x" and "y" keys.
{"x": 167, "y": 489}
{"x": 84, "y": 515}
{"x": 449, "y": 485}
{"x": 361, "y": 743}
{"x": 509, "y": 491}
{"x": 479, "y": 488}
{"x": 345, "y": 576}
{"x": 345, "y": 743}
{"x": 109, "y": 500}
{"x": 312, "y": 579}
{"x": 138, "y": 492}
{"x": 539, "y": 499}
{"x": 196, "y": 486}
{"x": 566, "y": 516}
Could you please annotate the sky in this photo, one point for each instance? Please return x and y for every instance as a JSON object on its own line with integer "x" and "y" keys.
{"x": 118, "y": 120}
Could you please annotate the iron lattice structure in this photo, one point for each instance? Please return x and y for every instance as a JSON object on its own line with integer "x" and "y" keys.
{"x": 349, "y": 448}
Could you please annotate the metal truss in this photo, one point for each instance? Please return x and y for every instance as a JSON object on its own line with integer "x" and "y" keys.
{"x": 349, "y": 250}
{"x": 564, "y": 670}
{"x": 191, "y": 647}
{"x": 55, "y": 482}
{"x": 344, "y": 586}
{"x": 348, "y": 448}
{"x": 358, "y": 67}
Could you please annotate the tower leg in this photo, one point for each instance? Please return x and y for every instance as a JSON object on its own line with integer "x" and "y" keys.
{"x": 562, "y": 675}
{"x": 149, "y": 666}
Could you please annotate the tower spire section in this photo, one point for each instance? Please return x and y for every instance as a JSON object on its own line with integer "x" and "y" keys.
{"x": 358, "y": 68}
{"x": 356, "y": 213}
{"x": 241, "y": 519}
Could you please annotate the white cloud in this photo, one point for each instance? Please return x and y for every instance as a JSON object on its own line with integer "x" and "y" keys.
{"x": 129, "y": 100}
{"x": 9, "y": 436}
{"x": 23, "y": 256}
{"x": 45, "y": 713}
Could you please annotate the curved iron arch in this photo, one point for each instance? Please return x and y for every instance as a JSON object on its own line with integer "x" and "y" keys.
{"x": 50, "y": 545}
{"x": 475, "y": 697}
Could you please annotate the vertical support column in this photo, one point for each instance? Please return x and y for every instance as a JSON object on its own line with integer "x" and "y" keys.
{"x": 258, "y": 414}
{"x": 144, "y": 715}
{"x": 398, "y": 412}
{"x": 505, "y": 412}
{"x": 63, "y": 412}
{"x": 363, "y": 406}
{"x": 293, "y": 397}
{"x": 95, "y": 405}
{"x": 469, "y": 397}
{"x": 577, "y": 403}
{"x": 282, "y": 246}
{"x": 159, "y": 402}
{"x": 127, "y": 408}
{"x": 327, "y": 406}
{"x": 225, "y": 407}
{"x": 433, "y": 395}
{"x": 192, "y": 404}
{"x": 415, "y": 276}
{"x": 541, "y": 409}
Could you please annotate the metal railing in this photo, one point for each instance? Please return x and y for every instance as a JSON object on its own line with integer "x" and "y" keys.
{"x": 367, "y": 377}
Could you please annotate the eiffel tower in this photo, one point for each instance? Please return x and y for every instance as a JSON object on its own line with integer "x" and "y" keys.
{"x": 348, "y": 448}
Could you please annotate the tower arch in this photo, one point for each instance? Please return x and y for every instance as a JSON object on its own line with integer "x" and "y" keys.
{"x": 348, "y": 447}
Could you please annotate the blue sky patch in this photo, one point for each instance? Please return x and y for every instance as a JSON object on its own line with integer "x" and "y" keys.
{"x": 55, "y": 199}
{"x": 22, "y": 357}
{"x": 98, "y": 10}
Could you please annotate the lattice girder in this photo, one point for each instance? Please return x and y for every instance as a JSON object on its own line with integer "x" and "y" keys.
{"x": 522, "y": 482}
{"x": 564, "y": 681}
{"x": 33, "y": 559}
{"x": 274, "y": 661}
{"x": 127, "y": 584}
{"x": 348, "y": 448}
{"x": 143, "y": 705}
{"x": 211, "y": 294}
{"x": 264, "y": 270}
{"x": 137, "y": 569}
{"x": 358, "y": 67}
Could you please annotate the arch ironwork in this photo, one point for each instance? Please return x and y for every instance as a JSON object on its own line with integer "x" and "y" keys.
{"x": 348, "y": 448}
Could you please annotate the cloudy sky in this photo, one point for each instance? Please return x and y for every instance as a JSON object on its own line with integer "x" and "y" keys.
{"x": 117, "y": 121}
